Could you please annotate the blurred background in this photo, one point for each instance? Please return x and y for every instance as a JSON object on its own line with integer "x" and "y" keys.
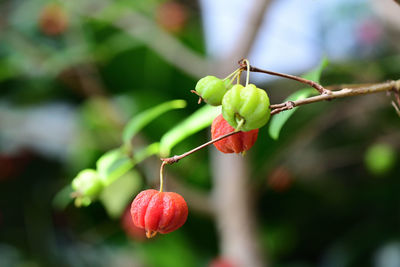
{"x": 72, "y": 74}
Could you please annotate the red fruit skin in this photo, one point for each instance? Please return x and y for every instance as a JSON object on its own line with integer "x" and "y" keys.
{"x": 236, "y": 143}
{"x": 156, "y": 211}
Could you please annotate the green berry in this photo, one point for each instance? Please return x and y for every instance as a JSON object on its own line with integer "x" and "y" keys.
{"x": 248, "y": 103}
{"x": 87, "y": 183}
{"x": 211, "y": 89}
{"x": 380, "y": 158}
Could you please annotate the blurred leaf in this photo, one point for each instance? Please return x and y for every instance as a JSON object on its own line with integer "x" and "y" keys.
{"x": 63, "y": 198}
{"x": 113, "y": 165}
{"x": 146, "y": 152}
{"x": 116, "y": 162}
{"x": 380, "y": 158}
{"x": 117, "y": 195}
{"x": 164, "y": 251}
{"x": 199, "y": 120}
{"x": 141, "y": 120}
{"x": 315, "y": 74}
{"x": 279, "y": 120}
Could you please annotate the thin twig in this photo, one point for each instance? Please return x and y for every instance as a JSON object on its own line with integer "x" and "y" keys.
{"x": 387, "y": 86}
{"x": 313, "y": 84}
{"x": 176, "y": 158}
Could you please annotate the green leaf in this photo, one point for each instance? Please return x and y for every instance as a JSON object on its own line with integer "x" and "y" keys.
{"x": 315, "y": 74}
{"x": 113, "y": 165}
{"x": 163, "y": 252}
{"x": 142, "y": 119}
{"x": 199, "y": 120}
{"x": 63, "y": 198}
{"x": 117, "y": 195}
{"x": 279, "y": 120}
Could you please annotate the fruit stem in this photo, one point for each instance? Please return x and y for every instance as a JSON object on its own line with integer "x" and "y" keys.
{"x": 243, "y": 63}
{"x": 238, "y": 78}
{"x": 162, "y": 175}
{"x": 176, "y": 158}
{"x": 234, "y": 77}
{"x": 248, "y": 71}
{"x": 240, "y": 124}
{"x": 233, "y": 73}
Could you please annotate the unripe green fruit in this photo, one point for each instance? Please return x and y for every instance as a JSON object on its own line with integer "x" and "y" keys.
{"x": 212, "y": 89}
{"x": 380, "y": 158}
{"x": 248, "y": 103}
{"x": 87, "y": 183}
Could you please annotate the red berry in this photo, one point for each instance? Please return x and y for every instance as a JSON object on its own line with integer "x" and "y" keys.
{"x": 156, "y": 211}
{"x": 236, "y": 143}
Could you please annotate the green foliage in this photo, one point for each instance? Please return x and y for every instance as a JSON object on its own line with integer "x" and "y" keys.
{"x": 62, "y": 198}
{"x": 380, "y": 158}
{"x": 165, "y": 250}
{"x": 197, "y": 121}
{"x": 113, "y": 165}
{"x": 279, "y": 120}
{"x": 118, "y": 195}
{"x": 141, "y": 120}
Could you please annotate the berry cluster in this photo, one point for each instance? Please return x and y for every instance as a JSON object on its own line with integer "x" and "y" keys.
{"x": 244, "y": 109}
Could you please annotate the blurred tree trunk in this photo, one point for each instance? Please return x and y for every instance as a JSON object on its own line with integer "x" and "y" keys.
{"x": 234, "y": 210}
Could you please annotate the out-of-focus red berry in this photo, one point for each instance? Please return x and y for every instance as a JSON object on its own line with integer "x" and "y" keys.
{"x": 280, "y": 179}
{"x": 156, "y": 211}
{"x": 236, "y": 143}
{"x": 221, "y": 262}
{"x": 53, "y": 20}
{"x": 12, "y": 165}
{"x": 171, "y": 16}
{"x": 369, "y": 32}
{"x": 130, "y": 228}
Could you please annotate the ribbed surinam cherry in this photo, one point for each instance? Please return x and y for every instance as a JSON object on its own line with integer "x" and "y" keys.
{"x": 236, "y": 143}
{"x": 157, "y": 211}
{"x": 247, "y": 107}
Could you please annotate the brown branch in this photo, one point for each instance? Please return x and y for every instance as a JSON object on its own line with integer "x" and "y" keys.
{"x": 176, "y": 158}
{"x": 277, "y": 108}
{"x": 313, "y": 84}
{"x": 346, "y": 92}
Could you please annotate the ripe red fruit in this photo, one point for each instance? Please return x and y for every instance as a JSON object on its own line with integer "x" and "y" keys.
{"x": 236, "y": 143}
{"x": 157, "y": 211}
